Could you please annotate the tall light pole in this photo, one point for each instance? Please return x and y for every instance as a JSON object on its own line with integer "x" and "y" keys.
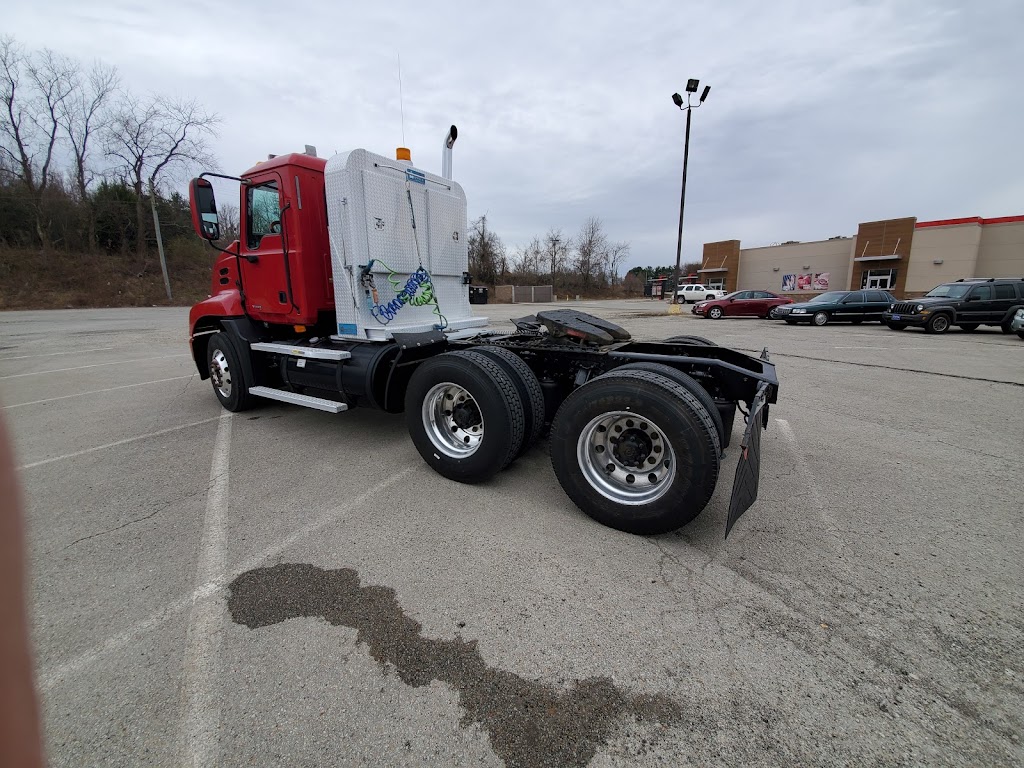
{"x": 687, "y": 107}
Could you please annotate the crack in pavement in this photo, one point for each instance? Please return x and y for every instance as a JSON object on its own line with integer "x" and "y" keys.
{"x": 529, "y": 723}
{"x": 886, "y": 367}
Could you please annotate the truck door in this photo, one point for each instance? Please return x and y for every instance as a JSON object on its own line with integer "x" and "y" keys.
{"x": 979, "y": 306}
{"x": 263, "y": 272}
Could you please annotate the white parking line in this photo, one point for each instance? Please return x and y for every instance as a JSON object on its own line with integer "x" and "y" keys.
{"x": 97, "y": 391}
{"x": 94, "y": 365}
{"x": 202, "y": 715}
{"x": 53, "y": 354}
{"x": 115, "y": 444}
{"x": 806, "y": 477}
{"x": 50, "y": 676}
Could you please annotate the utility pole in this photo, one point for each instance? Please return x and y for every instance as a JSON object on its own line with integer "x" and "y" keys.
{"x": 159, "y": 239}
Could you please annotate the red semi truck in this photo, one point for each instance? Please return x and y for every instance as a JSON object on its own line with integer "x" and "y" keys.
{"x": 348, "y": 287}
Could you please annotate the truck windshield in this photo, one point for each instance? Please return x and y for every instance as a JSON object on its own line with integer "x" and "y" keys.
{"x": 954, "y": 291}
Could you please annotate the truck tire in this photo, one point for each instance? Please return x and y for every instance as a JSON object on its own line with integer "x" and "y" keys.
{"x": 227, "y": 374}
{"x": 530, "y": 391}
{"x": 691, "y": 385}
{"x": 661, "y": 469}
{"x": 1005, "y": 327}
{"x": 820, "y": 318}
{"x": 464, "y": 416}
{"x": 938, "y": 323}
{"x": 699, "y": 341}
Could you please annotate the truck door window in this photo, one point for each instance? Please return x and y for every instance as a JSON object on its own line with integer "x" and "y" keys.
{"x": 262, "y": 213}
{"x": 1005, "y": 291}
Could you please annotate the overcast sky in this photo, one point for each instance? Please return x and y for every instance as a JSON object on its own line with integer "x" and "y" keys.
{"x": 819, "y": 117}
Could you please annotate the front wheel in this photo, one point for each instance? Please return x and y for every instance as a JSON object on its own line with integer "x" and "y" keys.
{"x": 715, "y": 313}
{"x": 937, "y": 324}
{"x": 820, "y": 318}
{"x": 636, "y": 451}
{"x": 226, "y": 374}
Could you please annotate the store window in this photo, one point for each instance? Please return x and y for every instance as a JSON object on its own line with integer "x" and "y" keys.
{"x": 716, "y": 283}
{"x": 883, "y": 279}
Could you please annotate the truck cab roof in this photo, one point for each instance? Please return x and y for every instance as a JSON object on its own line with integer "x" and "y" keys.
{"x": 292, "y": 159}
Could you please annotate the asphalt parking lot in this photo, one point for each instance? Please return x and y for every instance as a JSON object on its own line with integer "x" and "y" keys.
{"x": 287, "y": 587}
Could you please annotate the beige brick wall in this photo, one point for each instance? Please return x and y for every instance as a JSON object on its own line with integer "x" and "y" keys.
{"x": 955, "y": 245}
{"x": 1001, "y": 252}
{"x": 758, "y": 265}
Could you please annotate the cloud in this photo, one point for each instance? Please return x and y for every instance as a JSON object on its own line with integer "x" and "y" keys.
{"x": 819, "y": 117}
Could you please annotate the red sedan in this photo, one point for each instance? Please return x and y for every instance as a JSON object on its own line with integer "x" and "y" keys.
{"x": 750, "y": 303}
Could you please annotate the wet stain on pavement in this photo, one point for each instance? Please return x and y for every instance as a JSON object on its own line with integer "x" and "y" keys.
{"x": 529, "y": 723}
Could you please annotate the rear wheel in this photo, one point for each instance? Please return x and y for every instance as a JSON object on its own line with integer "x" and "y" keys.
{"x": 636, "y": 451}
{"x": 937, "y": 324}
{"x": 1020, "y": 334}
{"x": 530, "y": 391}
{"x": 226, "y": 374}
{"x": 464, "y": 415}
{"x": 1005, "y": 327}
{"x": 969, "y": 327}
{"x": 715, "y": 313}
{"x": 696, "y": 340}
{"x": 773, "y": 313}
{"x": 896, "y": 326}
{"x": 692, "y": 386}
{"x": 820, "y": 318}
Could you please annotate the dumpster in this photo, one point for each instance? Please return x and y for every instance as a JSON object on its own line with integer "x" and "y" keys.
{"x": 478, "y": 294}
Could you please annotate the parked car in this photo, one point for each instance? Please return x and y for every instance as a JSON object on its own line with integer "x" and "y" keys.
{"x": 755, "y": 303}
{"x": 697, "y": 292}
{"x": 966, "y": 303}
{"x": 832, "y": 306}
{"x": 1017, "y": 324}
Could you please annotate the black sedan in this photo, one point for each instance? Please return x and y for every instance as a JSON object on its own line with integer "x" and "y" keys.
{"x": 833, "y": 306}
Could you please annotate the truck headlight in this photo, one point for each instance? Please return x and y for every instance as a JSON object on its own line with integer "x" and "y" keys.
{"x": 920, "y": 307}
{"x": 892, "y": 307}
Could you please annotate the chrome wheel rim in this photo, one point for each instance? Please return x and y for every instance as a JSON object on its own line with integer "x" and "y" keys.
{"x": 715, "y": 313}
{"x": 452, "y": 420}
{"x": 626, "y": 458}
{"x": 820, "y": 319}
{"x": 220, "y": 373}
{"x": 773, "y": 313}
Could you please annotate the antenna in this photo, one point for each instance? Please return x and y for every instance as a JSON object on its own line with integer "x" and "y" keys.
{"x": 401, "y": 99}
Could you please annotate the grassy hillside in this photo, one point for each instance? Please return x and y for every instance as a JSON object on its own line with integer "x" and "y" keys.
{"x": 39, "y": 279}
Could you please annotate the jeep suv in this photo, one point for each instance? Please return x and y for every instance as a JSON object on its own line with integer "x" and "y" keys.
{"x": 692, "y": 293}
{"x": 965, "y": 303}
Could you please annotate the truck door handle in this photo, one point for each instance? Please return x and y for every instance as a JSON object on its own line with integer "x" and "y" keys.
{"x": 251, "y": 258}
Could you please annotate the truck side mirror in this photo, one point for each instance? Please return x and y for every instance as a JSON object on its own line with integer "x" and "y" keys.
{"x": 204, "y": 209}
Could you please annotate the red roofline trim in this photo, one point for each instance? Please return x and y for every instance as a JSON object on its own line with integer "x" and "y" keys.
{"x": 969, "y": 220}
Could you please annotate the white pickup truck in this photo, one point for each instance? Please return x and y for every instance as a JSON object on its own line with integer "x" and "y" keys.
{"x": 698, "y": 292}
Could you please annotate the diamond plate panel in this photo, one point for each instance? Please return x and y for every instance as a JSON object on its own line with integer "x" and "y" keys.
{"x": 370, "y": 217}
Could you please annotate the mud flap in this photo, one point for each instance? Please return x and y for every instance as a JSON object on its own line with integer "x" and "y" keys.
{"x": 748, "y": 470}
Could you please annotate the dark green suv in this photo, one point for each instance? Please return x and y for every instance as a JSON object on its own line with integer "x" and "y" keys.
{"x": 965, "y": 303}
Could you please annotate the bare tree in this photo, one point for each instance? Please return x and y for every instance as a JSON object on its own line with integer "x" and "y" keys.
{"x": 228, "y": 215}
{"x": 83, "y": 113}
{"x": 487, "y": 259}
{"x": 33, "y": 89}
{"x": 556, "y": 249}
{"x": 152, "y": 138}
{"x": 591, "y": 253}
{"x": 616, "y": 254}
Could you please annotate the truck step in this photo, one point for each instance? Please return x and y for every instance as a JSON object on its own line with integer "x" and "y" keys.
{"x": 312, "y": 353}
{"x": 319, "y": 403}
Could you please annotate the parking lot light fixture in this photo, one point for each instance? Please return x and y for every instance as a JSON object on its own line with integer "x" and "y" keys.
{"x": 686, "y": 106}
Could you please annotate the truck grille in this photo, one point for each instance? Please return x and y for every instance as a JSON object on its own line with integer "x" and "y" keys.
{"x": 904, "y": 308}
